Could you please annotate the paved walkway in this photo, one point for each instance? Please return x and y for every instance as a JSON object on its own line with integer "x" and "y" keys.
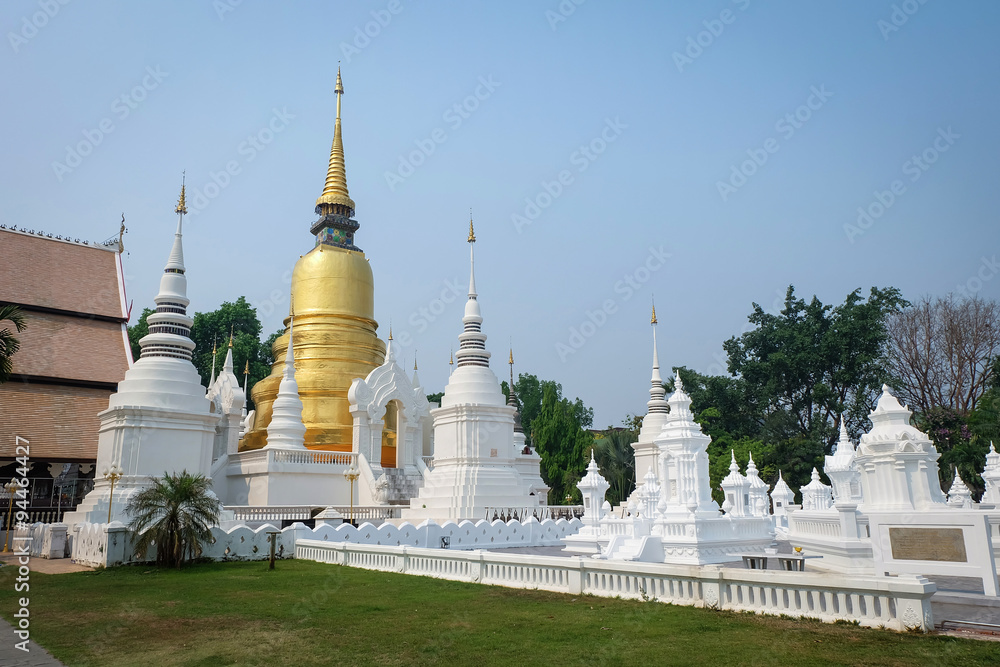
{"x": 35, "y": 656}
{"x": 44, "y": 565}
{"x": 11, "y": 656}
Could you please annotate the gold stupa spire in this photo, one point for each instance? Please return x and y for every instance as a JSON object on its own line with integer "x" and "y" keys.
{"x": 335, "y": 190}
{"x": 181, "y": 202}
{"x": 653, "y": 319}
{"x": 510, "y": 359}
{"x": 472, "y": 231}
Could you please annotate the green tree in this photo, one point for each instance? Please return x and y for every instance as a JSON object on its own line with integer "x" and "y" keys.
{"x": 958, "y": 446}
{"x": 810, "y": 363}
{"x": 9, "y": 344}
{"x": 562, "y": 442}
{"x": 175, "y": 515}
{"x": 435, "y": 398}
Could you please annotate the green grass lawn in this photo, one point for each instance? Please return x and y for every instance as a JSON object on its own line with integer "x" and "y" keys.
{"x": 306, "y": 613}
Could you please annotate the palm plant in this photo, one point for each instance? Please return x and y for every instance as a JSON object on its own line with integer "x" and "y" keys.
{"x": 175, "y": 515}
{"x": 616, "y": 459}
{"x": 8, "y": 343}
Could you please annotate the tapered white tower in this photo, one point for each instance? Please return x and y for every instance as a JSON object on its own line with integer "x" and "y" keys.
{"x": 160, "y": 420}
{"x": 286, "y": 430}
{"x": 474, "y": 467}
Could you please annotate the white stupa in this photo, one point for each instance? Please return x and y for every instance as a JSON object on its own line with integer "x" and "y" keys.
{"x": 676, "y": 520}
{"x": 842, "y": 470}
{"x": 991, "y": 479}
{"x": 160, "y": 420}
{"x": 228, "y": 400}
{"x": 657, "y": 410}
{"x": 286, "y": 429}
{"x": 474, "y": 466}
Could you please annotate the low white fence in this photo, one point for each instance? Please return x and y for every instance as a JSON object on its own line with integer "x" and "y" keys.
{"x": 107, "y": 545}
{"x": 897, "y": 603}
{"x": 43, "y": 540}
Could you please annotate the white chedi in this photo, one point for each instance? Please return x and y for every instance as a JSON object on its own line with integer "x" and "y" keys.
{"x": 959, "y": 494}
{"x": 816, "y": 495}
{"x": 735, "y": 487}
{"x": 592, "y": 487}
{"x": 897, "y": 462}
{"x": 842, "y": 471}
{"x": 991, "y": 478}
{"x": 286, "y": 430}
{"x": 756, "y": 490}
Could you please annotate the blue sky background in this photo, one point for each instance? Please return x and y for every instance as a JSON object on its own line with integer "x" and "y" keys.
{"x": 655, "y": 186}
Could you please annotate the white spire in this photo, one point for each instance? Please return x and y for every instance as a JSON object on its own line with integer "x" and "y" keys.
{"x": 657, "y": 393}
{"x": 416, "y": 378}
{"x": 170, "y": 327}
{"x": 472, "y": 341}
{"x": 286, "y": 429}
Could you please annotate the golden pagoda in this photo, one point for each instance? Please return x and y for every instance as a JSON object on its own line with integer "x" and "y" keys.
{"x": 333, "y": 302}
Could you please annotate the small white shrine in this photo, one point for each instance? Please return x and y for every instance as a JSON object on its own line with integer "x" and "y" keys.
{"x": 672, "y": 517}
{"x": 886, "y": 513}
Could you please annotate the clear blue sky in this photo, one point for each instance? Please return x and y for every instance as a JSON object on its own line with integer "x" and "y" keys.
{"x": 678, "y": 127}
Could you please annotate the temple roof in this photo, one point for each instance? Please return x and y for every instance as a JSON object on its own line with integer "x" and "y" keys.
{"x": 59, "y": 422}
{"x": 62, "y": 275}
{"x": 71, "y": 348}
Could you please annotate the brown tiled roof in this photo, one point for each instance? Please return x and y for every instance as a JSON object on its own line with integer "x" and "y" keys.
{"x": 71, "y": 348}
{"x": 59, "y": 422}
{"x": 58, "y": 274}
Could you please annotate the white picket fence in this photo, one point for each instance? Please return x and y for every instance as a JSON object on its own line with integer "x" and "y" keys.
{"x": 897, "y": 603}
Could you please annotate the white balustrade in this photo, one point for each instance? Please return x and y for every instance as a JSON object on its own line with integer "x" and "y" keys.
{"x": 898, "y": 603}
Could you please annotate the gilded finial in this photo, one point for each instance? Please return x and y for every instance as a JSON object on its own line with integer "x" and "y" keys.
{"x": 231, "y": 328}
{"x": 246, "y": 369}
{"x": 451, "y": 358}
{"x": 181, "y": 203}
{"x": 653, "y": 319}
{"x": 414, "y": 360}
{"x": 472, "y": 231}
{"x": 215, "y": 345}
{"x": 390, "y": 332}
{"x": 335, "y": 192}
{"x": 510, "y": 359}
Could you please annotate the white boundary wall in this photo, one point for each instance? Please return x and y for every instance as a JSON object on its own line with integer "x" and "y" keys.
{"x": 897, "y": 603}
{"x": 108, "y": 545}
